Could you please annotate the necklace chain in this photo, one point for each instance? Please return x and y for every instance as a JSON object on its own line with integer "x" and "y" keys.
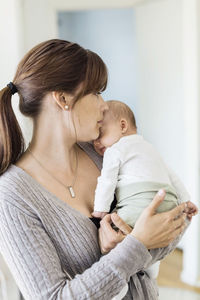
{"x": 69, "y": 187}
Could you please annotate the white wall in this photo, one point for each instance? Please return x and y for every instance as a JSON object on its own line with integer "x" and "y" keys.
{"x": 191, "y": 88}
{"x": 167, "y": 35}
{"x": 11, "y": 36}
{"x": 161, "y": 105}
{"x": 40, "y": 17}
{"x": 111, "y": 34}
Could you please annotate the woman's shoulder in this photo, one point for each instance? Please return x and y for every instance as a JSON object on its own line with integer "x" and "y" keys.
{"x": 15, "y": 189}
{"x": 10, "y": 179}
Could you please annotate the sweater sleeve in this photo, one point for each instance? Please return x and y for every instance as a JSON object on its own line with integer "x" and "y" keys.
{"x": 33, "y": 260}
{"x": 160, "y": 253}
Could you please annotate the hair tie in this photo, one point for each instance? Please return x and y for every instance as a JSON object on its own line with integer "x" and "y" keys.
{"x": 12, "y": 87}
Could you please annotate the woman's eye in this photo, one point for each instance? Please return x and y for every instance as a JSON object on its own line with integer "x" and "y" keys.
{"x": 98, "y": 93}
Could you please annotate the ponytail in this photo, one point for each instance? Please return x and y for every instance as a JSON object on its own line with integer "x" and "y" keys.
{"x": 11, "y": 138}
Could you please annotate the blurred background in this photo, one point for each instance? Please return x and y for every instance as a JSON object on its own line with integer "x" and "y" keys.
{"x": 151, "y": 49}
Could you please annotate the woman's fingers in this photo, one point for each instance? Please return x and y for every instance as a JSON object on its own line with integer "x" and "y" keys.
{"x": 106, "y": 224}
{"x": 108, "y": 237}
{"x": 125, "y": 228}
{"x": 155, "y": 203}
{"x": 177, "y": 211}
{"x": 180, "y": 221}
{"x": 113, "y": 236}
{"x": 178, "y": 231}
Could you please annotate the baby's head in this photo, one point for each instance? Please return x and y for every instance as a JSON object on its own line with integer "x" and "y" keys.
{"x": 118, "y": 121}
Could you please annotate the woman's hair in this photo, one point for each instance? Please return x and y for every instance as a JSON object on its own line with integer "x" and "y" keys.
{"x": 54, "y": 65}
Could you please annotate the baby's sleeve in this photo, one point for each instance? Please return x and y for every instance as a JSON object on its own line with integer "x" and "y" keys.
{"x": 107, "y": 182}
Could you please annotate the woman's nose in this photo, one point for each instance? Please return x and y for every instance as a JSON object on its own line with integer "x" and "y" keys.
{"x": 104, "y": 105}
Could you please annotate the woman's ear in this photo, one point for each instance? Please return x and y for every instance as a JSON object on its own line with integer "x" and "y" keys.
{"x": 124, "y": 125}
{"x": 63, "y": 100}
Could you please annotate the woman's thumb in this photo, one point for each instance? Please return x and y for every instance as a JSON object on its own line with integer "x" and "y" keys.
{"x": 157, "y": 200}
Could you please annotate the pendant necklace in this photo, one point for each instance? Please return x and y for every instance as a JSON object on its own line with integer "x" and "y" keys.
{"x": 69, "y": 187}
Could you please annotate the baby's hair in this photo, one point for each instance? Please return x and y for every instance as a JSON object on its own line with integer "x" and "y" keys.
{"x": 118, "y": 110}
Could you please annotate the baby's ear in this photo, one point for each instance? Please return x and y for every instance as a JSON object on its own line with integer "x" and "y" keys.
{"x": 124, "y": 125}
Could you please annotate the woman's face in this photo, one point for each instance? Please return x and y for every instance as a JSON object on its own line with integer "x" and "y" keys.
{"x": 88, "y": 116}
{"x": 110, "y": 133}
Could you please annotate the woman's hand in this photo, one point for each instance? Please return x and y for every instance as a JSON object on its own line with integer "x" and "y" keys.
{"x": 108, "y": 237}
{"x": 156, "y": 230}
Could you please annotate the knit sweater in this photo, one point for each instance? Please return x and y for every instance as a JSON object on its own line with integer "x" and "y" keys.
{"x": 52, "y": 249}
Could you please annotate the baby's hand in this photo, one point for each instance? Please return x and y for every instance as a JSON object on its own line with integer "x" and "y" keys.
{"x": 191, "y": 210}
{"x": 99, "y": 214}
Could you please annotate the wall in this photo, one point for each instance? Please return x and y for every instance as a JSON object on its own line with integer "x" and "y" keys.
{"x": 167, "y": 36}
{"x": 161, "y": 106}
{"x": 11, "y": 34}
{"x": 191, "y": 89}
{"x": 110, "y": 33}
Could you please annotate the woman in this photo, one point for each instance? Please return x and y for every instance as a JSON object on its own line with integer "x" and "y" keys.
{"x": 46, "y": 235}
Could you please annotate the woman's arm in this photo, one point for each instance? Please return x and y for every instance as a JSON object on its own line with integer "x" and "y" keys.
{"x": 32, "y": 258}
{"x": 158, "y": 232}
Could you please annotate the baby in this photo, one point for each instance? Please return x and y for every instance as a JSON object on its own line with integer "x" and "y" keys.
{"x": 133, "y": 170}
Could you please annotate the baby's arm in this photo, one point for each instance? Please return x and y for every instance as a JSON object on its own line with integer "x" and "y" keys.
{"x": 107, "y": 182}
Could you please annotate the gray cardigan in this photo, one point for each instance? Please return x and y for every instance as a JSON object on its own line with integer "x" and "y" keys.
{"x": 52, "y": 249}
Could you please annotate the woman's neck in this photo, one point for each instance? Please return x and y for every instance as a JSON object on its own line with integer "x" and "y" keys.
{"x": 54, "y": 145}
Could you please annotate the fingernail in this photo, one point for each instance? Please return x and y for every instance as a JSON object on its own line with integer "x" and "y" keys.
{"x": 161, "y": 192}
